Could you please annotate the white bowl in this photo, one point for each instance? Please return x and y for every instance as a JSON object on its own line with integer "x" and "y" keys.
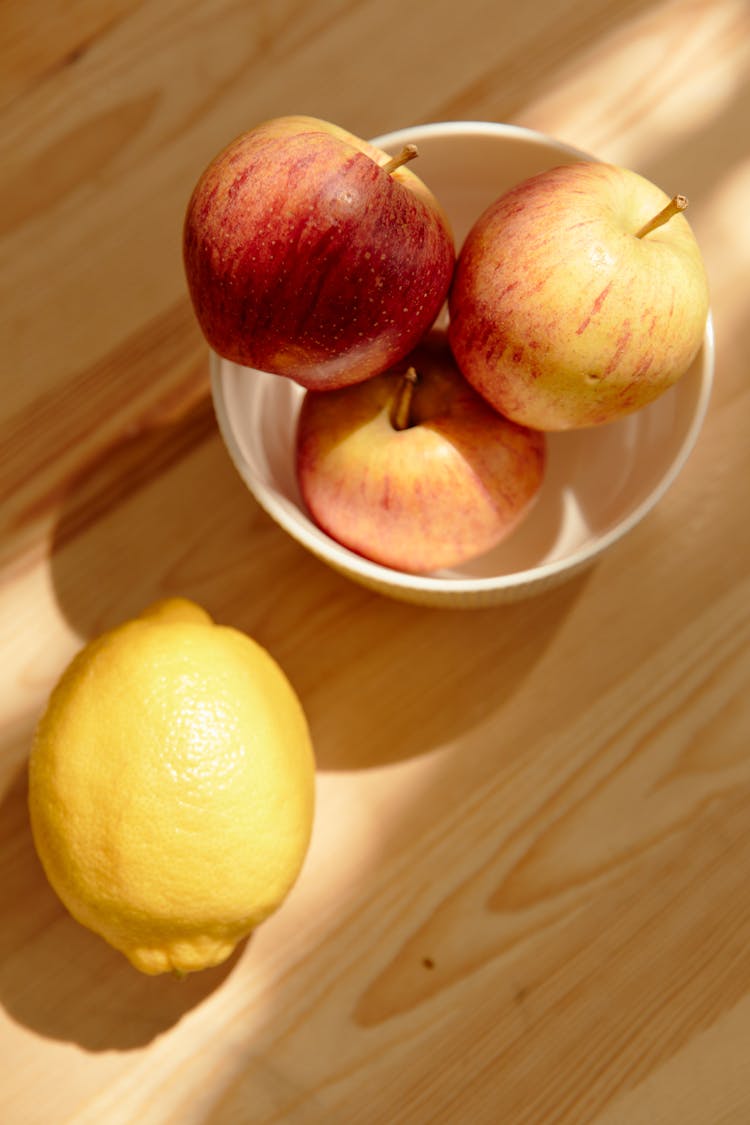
{"x": 599, "y": 482}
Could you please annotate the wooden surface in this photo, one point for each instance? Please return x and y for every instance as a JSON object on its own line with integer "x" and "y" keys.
{"x": 528, "y": 895}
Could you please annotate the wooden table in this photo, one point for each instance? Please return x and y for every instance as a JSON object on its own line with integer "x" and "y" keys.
{"x": 528, "y": 894}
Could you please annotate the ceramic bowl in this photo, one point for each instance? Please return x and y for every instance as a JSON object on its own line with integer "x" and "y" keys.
{"x": 599, "y": 484}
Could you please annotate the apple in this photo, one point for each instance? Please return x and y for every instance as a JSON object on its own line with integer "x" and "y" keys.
{"x": 312, "y": 254}
{"x": 412, "y": 469}
{"x": 579, "y": 296}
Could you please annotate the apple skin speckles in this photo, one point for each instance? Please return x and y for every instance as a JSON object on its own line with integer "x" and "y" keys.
{"x": 595, "y": 308}
{"x": 559, "y": 315}
{"x": 451, "y": 485}
{"x": 306, "y": 259}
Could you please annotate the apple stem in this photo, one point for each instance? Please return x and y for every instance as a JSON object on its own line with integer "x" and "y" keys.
{"x": 408, "y": 152}
{"x": 401, "y": 407}
{"x": 675, "y": 205}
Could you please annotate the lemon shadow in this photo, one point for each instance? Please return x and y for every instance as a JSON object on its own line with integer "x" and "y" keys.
{"x": 62, "y": 981}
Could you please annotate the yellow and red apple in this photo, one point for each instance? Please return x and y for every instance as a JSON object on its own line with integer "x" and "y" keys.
{"x": 412, "y": 469}
{"x": 569, "y": 307}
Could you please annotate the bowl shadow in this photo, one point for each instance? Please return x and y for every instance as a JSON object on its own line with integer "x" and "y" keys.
{"x": 126, "y": 536}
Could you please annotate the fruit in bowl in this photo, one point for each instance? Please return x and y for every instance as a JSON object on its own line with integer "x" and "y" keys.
{"x": 312, "y": 254}
{"x": 579, "y": 296}
{"x": 412, "y": 468}
{"x": 599, "y": 480}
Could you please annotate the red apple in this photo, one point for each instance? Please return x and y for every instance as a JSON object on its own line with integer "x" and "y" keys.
{"x": 412, "y": 469}
{"x": 312, "y": 254}
{"x": 569, "y": 308}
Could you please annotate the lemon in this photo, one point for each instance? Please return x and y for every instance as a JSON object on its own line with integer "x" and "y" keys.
{"x": 171, "y": 788}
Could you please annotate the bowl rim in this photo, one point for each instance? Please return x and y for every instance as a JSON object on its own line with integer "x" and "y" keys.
{"x": 324, "y": 547}
{"x": 342, "y": 558}
{"x": 476, "y": 126}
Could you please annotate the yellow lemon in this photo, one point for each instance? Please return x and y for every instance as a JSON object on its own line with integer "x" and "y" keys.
{"x": 171, "y": 788}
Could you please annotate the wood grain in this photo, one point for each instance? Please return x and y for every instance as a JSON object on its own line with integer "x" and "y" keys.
{"x": 527, "y": 898}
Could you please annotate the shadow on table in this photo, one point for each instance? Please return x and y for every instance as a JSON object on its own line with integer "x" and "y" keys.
{"x": 165, "y": 513}
{"x": 127, "y": 534}
{"x": 62, "y": 981}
